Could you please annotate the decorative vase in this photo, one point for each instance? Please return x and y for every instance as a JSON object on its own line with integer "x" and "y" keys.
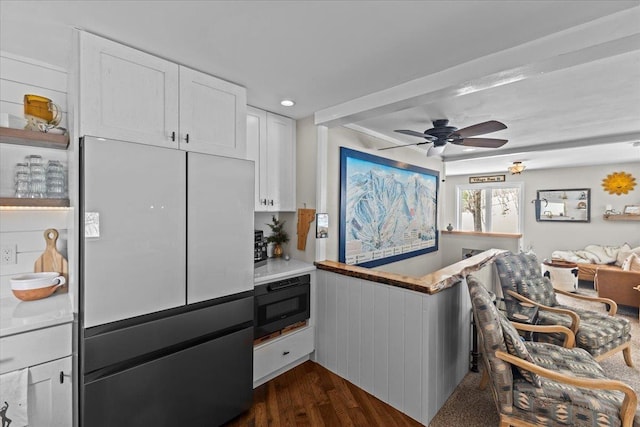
{"x": 449, "y": 227}
{"x": 277, "y": 250}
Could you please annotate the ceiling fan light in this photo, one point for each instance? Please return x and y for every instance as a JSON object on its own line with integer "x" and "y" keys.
{"x": 435, "y": 151}
{"x": 516, "y": 168}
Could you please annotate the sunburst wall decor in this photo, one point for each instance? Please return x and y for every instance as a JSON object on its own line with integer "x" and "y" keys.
{"x": 619, "y": 183}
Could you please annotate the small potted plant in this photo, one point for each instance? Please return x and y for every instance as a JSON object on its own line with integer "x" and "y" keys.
{"x": 278, "y": 236}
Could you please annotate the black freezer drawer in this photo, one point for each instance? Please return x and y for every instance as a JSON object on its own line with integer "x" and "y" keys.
{"x": 130, "y": 342}
{"x": 205, "y": 385}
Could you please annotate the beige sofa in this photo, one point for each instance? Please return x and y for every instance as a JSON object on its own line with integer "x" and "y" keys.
{"x": 610, "y": 276}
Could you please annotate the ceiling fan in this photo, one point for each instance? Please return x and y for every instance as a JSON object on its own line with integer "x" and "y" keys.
{"x": 441, "y": 134}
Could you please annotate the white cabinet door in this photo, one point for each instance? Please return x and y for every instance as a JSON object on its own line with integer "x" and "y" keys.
{"x": 256, "y": 143}
{"x": 271, "y": 144}
{"x": 220, "y": 227}
{"x": 126, "y": 94}
{"x": 281, "y": 161}
{"x": 212, "y": 115}
{"x": 49, "y": 394}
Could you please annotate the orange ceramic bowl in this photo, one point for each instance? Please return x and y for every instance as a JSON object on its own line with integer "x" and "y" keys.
{"x": 33, "y": 286}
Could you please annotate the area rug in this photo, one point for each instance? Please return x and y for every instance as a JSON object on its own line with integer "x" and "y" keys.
{"x": 469, "y": 406}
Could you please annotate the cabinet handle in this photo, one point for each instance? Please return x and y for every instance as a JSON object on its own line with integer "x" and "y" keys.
{"x": 186, "y": 139}
{"x": 263, "y": 202}
{"x": 62, "y": 375}
{"x": 173, "y": 136}
{"x": 271, "y": 202}
{"x": 284, "y": 353}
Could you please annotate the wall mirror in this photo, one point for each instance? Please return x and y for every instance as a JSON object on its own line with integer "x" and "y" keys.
{"x": 570, "y": 205}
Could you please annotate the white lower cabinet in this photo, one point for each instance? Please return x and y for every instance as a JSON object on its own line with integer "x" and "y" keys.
{"x": 50, "y": 394}
{"x": 271, "y": 357}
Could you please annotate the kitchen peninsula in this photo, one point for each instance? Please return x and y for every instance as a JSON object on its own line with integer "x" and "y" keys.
{"x": 404, "y": 339}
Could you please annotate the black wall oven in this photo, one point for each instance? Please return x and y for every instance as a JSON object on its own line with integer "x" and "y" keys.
{"x": 280, "y": 304}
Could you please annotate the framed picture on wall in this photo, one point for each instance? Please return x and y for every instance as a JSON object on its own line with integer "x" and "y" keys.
{"x": 388, "y": 209}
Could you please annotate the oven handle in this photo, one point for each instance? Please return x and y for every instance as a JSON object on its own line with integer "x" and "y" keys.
{"x": 277, "y": 286}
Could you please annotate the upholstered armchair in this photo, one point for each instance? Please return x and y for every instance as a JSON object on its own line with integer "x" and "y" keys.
{"x": 536, "y": 383}
{"x": 600, "y": 334}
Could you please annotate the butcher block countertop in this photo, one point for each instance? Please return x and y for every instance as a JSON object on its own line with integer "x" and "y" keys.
{"x": 23, "y": 316}
{"x": 429, "y": 284}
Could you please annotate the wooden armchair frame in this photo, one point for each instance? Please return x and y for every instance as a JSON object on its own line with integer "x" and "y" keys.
{"x": 569, "y": 341}
{"x": 627, "y": 410}
{"x": 575, "y": 319}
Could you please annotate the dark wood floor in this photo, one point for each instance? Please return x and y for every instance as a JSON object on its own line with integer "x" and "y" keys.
{"x": 310, "y": 395}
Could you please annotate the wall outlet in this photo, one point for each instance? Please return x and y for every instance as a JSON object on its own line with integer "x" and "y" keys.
{"x": 7, "y": 254}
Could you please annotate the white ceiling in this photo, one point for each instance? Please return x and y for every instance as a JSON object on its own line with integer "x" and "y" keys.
{"x": 325, "y": 54}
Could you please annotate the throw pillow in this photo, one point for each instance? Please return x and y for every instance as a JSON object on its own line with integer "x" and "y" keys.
{"x": 632, "y": 263}
{"x": 623, "y": 254}
{"x": 516, "y": 347}
{"x": 539, "y": 290}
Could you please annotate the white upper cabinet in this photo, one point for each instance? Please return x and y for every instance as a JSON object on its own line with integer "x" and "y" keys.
{"x": 126, "y": 94}
{"x": 212, "y": 115}
{"x": 271, "y": 143}
{"x": 257, "y": 138}
{"x": 133, "y": 96}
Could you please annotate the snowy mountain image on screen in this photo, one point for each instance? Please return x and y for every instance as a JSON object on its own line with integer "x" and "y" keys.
{"x": 389, "y": 208}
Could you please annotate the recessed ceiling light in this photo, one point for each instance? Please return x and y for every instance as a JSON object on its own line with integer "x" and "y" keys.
{"x": 287, "y": 103}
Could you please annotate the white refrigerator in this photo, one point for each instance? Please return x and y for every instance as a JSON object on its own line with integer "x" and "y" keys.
{"x": 166, "y": 285}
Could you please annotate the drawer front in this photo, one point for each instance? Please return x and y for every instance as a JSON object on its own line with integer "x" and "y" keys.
{"x": 272, "y": 356}
{"x": 35, "y": 347}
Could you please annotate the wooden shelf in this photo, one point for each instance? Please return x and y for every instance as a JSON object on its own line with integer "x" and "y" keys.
{"x": 33, "y": 138}
{"x": 481, "y": 234}
{"x": 621, "y": 217}
{"x": 40, "y": 203}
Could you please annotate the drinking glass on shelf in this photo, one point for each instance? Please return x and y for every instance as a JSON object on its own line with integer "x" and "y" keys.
{"x": 37, "y": 185}
{"x": 34, "y": 159}
{"x": 22, "y": 186}
{"x": 22, "y": 179}
{"x": 55, "y": 188}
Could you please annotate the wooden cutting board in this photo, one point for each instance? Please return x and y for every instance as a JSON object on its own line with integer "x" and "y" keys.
{"x": 51, "y": 259}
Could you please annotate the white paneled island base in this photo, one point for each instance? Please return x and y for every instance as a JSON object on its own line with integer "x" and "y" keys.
{"x": 410, "y": 349}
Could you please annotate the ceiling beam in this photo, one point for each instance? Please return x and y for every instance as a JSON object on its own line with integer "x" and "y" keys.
{"x": 560, "y": 145}
{"x": 604, "y": 38}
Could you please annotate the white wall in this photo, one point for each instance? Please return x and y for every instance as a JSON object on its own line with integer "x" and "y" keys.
{"x": 344, "y": 137}
{"x": 24, "y": 229}
{"x": 545, "y": 237}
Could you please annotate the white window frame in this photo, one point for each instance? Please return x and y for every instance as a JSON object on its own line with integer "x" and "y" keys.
{"x": 462, "y": 187}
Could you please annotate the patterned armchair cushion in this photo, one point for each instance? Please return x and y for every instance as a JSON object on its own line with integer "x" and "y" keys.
{"x": 514, "y": 269}
{"x": 538, "y": 289}
{"x": 598, "y": 332}
{"x": 516, "y": 347}
{"x": 562, "y": 404}
{"x": 487, "y": 320}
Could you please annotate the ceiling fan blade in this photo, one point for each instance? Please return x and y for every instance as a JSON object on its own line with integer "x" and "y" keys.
{"x": 414, "y": 133}
{"x": 480, "y": 129}
{"x": 481, "y": 142}
{"x": 405, "y": 145}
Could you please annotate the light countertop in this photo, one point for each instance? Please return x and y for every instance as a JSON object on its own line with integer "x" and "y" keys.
{"x": 278, "y": 268}
{"x": 23, "y": 316}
